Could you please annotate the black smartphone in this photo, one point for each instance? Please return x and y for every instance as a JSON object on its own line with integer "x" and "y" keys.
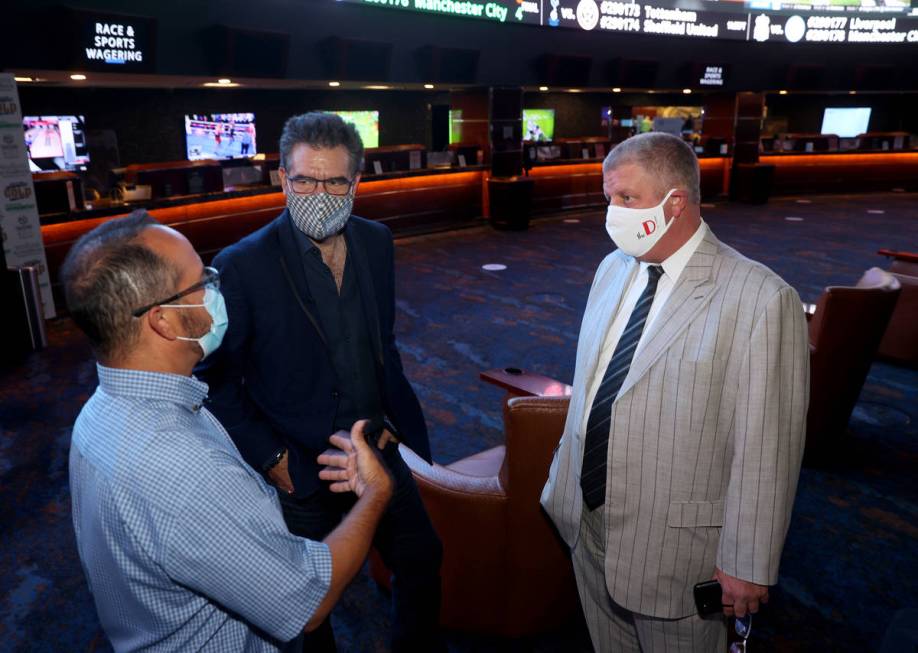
{"x": 708, "y": 598}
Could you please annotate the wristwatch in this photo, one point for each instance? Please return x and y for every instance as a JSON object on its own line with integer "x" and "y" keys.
{"x": 275, "y": 459}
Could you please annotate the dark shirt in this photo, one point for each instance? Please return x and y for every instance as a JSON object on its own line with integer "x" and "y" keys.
{"x": 344, "y": 325}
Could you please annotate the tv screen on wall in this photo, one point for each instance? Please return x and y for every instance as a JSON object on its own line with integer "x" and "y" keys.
{"x": 455, "y": 126}
{"x": 367, "y": 124}
{"x": 56, "y": 143}
{"x": 846, "y": 122}
{"x": 538, "y": 124}
{"x": 220, "y": 136}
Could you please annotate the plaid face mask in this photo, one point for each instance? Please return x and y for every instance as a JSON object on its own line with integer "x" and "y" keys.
{"x": 320, "y": 215}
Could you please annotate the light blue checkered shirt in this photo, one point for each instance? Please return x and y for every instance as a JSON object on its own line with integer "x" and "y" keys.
{"x": 183, "y": 544}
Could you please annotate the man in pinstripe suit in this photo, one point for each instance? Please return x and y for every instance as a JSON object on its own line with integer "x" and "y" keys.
{"x": 681, "y": 452}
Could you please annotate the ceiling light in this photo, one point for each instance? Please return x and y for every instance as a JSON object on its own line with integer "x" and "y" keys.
{"x": 687, "y": 91}
{"x": 23, "y": 79}
{"x": 428, "y": 86}
{"x": 334, "y": 84}
{"x": 852, "y": 92}
{"x": 616, "y": 90}
{"x": 573, "y": 90}
{"x": 782, "y": 92}
{"x": 224, "y": 81}
{"x": 377, "y": 87}
{"x": 78, "y": 77}
{"x": 222, "y": 84}
{"x": 543, "y": 88}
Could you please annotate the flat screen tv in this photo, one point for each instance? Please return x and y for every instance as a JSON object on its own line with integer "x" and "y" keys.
{"x": 220, "y": 136}
{"x": 455, "y": 126}
{"x": 56, "y": 143}
{"x": 605, "y": 116}
{"x": 538, "y": 124}
{"x": 845, "y": 121}
{"x": 367, "y": 124}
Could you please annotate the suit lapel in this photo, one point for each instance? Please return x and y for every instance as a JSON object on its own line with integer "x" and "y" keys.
{"x": 292, "y": 267}
{"x": 599, "y": 316}
{"x": 692, "y": 292}
{"x": 357, "y": 255}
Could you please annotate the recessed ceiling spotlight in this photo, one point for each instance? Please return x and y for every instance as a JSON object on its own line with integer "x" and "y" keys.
{"x": 573, "y": 90}
{"x": 428, "y": 86}
{"x": 224, "y": 81}
{"x": 687, "y": 91}
{"x": 78, "y": 77}
{"x": 377, "y": 87}
{"x": 616, "y": 90}
{"x": 852, "y": 92}
{"x": 782, "y": 92}
{"x": 23, "y": 79}
{"x": 334, "y": 84}
{"x": 543, "y": 88}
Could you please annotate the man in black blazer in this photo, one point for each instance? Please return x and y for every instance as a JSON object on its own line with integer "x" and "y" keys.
{"x": 311, "y": 349}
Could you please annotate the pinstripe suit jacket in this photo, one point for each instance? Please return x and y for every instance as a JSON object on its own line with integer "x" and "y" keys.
{"x": 706, "y": 436}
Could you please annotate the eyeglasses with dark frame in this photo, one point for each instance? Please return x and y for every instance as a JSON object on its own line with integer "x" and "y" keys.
{"x": 307, "y": 185}
{"x": 210, "y": 279}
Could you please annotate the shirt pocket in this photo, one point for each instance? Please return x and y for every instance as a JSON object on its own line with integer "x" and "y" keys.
{"x": 691, "y": 514}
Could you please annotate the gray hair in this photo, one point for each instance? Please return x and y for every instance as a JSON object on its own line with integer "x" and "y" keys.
{"x": 107, "y": 275}
{"x": 322, "y": 130}
{"x": 667, "y": 158}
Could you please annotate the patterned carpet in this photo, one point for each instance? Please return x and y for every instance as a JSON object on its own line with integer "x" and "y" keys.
{"x": 851, "y": 559}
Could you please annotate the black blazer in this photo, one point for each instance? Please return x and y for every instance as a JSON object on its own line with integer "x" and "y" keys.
{"x": 272, "y": 383}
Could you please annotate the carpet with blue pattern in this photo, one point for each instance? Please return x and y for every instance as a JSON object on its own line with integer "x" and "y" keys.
{"x": 851, "y": 558}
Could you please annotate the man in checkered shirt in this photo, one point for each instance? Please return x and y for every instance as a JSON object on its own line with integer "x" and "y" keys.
{"x": 182, "y": 543}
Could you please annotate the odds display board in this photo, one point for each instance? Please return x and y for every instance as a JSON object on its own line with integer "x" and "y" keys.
{"x": 786, "y": 21}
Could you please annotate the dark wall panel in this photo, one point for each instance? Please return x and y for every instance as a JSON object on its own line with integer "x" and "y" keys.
{"x": 804, "y": 112}
{"x": 576, "y": 114}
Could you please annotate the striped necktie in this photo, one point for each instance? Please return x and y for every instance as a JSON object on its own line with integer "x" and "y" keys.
{"x": 596, "y": 446}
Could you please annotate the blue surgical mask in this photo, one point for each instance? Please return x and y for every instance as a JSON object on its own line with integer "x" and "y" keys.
{"x": 219, "y": 321}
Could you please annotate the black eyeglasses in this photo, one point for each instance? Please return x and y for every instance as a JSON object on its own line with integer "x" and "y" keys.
{"x": 743, "y": 626}
{"x": 210, "y": 279}
{"x": 308, "y": 185}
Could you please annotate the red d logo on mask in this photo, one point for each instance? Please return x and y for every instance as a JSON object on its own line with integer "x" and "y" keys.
{"x": 649, "y": 226}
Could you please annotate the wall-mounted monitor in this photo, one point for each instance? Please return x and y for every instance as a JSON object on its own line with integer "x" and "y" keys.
{"x": 846, "y": 122}
{"x": 455, "y": 126}
{"x": 56, "y": 143}
{"x": 538, "y": 124}
{"x": 605, "y": 116}
{"x": 367, "y": 124}
{"x": 220, "y": 136}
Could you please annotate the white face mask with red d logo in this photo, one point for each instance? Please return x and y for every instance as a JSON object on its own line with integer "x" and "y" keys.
{"x": 636, "y": 231}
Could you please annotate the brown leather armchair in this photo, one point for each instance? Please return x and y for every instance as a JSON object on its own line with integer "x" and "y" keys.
{"x": 505, "y": 570}
{"x": 900, "y": 342}
{"x": 845, "y": 331}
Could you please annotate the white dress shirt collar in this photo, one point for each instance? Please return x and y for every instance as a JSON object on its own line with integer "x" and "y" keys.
{"x": 676, "y": 262}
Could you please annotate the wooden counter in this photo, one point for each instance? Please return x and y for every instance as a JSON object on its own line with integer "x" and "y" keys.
{"x": 425, "y": 200}
{"x": 572, "y": 185}
{"x": 408, "y": 203}
{"x": 843, "y": 172}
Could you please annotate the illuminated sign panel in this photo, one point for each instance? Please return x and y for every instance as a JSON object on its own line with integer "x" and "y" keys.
{"x": 796, "y": 21}
{"x": 712, "y": 77}
{"x": 110, "y": 42}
